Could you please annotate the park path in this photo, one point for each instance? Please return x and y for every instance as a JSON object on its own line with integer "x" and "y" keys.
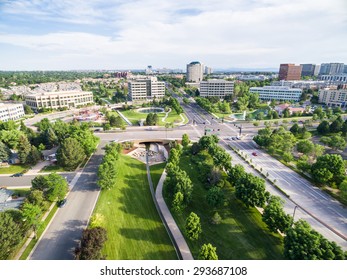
{"x": 177, "y": 239}
{"x": 124, "y": 118}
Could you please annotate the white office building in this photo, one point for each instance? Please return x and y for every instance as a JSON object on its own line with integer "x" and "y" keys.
{"x": 11, "y": 111}
{"x": 333, "y": 97}
{"x": 195, "y": 72}
{"x": 146, "y": 89}
{"x": 219, "y": 88}
{"x": 334, "y": 78}
{"x": 277, "y": 93}
{"x": 59, "y": 99}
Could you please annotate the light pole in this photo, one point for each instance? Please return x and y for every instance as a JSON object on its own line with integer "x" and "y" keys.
{"x": 296, "y": 206}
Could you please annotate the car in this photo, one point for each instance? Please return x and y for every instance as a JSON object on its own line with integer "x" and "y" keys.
{"x": 254, "y": 154}
{"x": 62, "y": 203}
{"x": 17, "y": 175}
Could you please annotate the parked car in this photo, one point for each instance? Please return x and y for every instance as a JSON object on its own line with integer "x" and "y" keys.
{"x": 17, "y": 175}
{"x": 62, "y": 203}
{"x": 254, "y": 154}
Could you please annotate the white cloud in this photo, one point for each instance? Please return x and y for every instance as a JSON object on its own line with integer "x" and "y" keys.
{"x": 222, "y": 33}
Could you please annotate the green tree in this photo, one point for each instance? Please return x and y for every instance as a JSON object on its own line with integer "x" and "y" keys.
{"x": 24, "y": 149}
{"x": 28, "y": 110}
{"x": 323, "y": 128}
{"x": 193, "y": 226}
{"x": 35, "y": 197}
{"x": 185, "y": 140}
{"x": 336, "y": 125}
{"x": 275, "y": 217}
{"x": 286, "y": 113}
{"x": 56, "y": 187}
{"x": 215, "y": 197}
{"x": 295, "y": 129}
{"x": 92, "y": 243}
{"x": 329, "y": 168}
{"x": 70, "y": 154}
{"x": 178, "y": 202}
{"x": 10, "y": 235}
{"x": 305, "y": 146}
{"x": 216, "y": 219}
{"x": 4, "y": 152}
{"x": 207, "y": 141}
{"x": 31, "y": 214}
{"x": 303, "y": 243}
{"x": 287, "y": 157}
{"x": 208, "y": 252}
{"x": 251, "y": 191}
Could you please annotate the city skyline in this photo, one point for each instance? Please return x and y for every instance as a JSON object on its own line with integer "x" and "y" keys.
{"x": 117, "y": 34}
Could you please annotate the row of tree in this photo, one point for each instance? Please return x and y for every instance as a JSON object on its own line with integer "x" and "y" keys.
{"x": 107, "y": 172}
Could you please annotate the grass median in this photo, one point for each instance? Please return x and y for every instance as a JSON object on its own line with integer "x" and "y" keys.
{"x": 134, "y": 228}
{"x": 241, "y": 233}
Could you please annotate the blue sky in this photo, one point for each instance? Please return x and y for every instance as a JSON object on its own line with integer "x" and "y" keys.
{"x": 117, "y": 34}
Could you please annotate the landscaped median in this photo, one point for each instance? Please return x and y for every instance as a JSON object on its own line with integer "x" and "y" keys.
{"x": 127, "y": 212}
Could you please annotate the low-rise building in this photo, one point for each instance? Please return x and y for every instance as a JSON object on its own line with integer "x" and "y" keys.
{"x": 334, "y": 78}
{"x": 59, "y": 99}
{"x": 277, "y": 93}
{"x": 146, "y": 89}
{"x": 219, "y": 88}
{"x": 333, "y": 97}
{"x": 9, "y": 111}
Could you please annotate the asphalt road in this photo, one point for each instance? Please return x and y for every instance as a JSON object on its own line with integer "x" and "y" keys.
{"x": 63, "y": 234}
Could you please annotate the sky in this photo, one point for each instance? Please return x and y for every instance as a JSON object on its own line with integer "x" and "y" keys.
{"x": 131, "y": 34}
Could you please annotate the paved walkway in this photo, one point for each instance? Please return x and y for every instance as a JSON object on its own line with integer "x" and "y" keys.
{"x": 36, "y": 168}
{"x": 175, "y": 233}
{"x": 124, "y": 118}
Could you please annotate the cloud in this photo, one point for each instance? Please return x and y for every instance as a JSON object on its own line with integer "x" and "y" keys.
{"x": 237, "y": 32}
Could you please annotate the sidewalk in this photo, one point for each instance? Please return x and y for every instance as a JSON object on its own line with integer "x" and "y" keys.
{"x": 36, "y": 169}
{"x": 175, "y": 231}
{"x": 124, "y": 118}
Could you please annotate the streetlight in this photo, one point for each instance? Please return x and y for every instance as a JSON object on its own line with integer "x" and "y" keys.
{"x": 296, "y": 206}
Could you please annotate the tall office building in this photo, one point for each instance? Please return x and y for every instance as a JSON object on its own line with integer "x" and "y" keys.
{"x": 219, "y": 88}
{"x": 331, "y": 68}
{"x": 208, "y": 70}
{"x": 307, "y": 69}
{"x": 146, "y": 89}
{"x": 195, "y": 71}
{"x": 345, "y": 69}
{"x": 290, "y": 72}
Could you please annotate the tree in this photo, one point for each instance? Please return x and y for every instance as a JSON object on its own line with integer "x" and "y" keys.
{"x": 287, "y": 157}
{"x": 286, "y": 113}
{"x": 208, "y": 252}
{"x": 91, "y": 244}
{"x": 185, "y": 140}
{"x": 35, "y": 197}
{"x": 10, "y": 235}
{"x": 193, "y": 226}
{"x": 303, "y": 243}
{"x": 216, "y": 219}
{"x": 115, "y": 121}
{"x": 152, "y": 119}
{"x": 178, "y": 202}
{"x": 251, "y": 191}
{"x": 56, "y": 187}
{"x": 70, "y": 154}
{"x": 215, "y": 197}
{"x": 295, "y": 129}
{"x": 329, "y": 168}
{"x": 305, "y": 146}
{"x": 336, "y": 125}
{"x": 207, "y": 141}
{"x": 4, "y": 152}
{"x": 24, "y": 149}
{"x": 31, "y": 215}
{"x": 323, "y": 128}
{"x": 34, "y": 155}
{"x": 28, "y": 110}
{"x": 275, "y": 217}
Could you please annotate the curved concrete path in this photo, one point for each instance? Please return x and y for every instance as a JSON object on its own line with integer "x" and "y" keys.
{"x": 174, "y": 229}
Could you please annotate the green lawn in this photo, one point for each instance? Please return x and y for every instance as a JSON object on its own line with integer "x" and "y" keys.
{"x": 240, "y": 235}
{"x": 17, "y": 168}
{"x": 156, "y": 172}
{"x": 134, "y": 228}
{"x": 52, "y": 168}
{"x": 134, "y": 117}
